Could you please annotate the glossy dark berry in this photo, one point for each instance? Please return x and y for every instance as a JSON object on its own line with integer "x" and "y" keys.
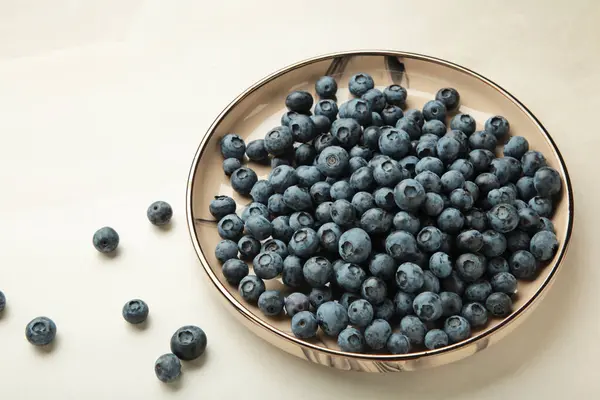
{"x": 106, "y": 240}
{"x": 188, "y": 342}
{"x": 40, "y": 331}
{"x": 135, "y": 311}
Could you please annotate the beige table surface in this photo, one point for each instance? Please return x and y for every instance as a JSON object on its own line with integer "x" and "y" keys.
{"x": 102, "y": 104}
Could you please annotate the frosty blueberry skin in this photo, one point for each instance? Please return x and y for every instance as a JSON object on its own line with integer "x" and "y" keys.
{"x": 40, "y": 331}
{"x": 106, "y": 240}
{"x": 167, "y": 368}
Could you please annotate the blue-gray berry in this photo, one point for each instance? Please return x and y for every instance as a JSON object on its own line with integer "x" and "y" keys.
{"x": 304, "y": 243}
{"x": 483, "y": 140}
{"x": 451, "y": 303}
{"x": 401, "y": 245}
{"x": 317, "y": 271}
{"x": 233, "y": 146}
{"x": 382, "y": 266}
{"x": 328, "y": 108}
{"x": 243, "y": 179}
{"x": 188, "y": 342}
{"x": 496, "y": 265}
{"x": 308, "y": 175}
{"x": 270, "y": 302}
{"x": 457, "y": 328}
{"x": 329, "y": 236}
{"x": 318, "y": 296}
{"x": 230, "y": 227}
{"x": 516, "y": 147}
{"x": 481, "y": 159}
{"x": 374, "y": 290}
{"x": 547, "y": 225}
{"x": 526, "y": 188}
{"x": 2, "y": 301}
{"x": 230, "y": 165}
{"x": 279, "y": 141}
{"x": 543, "y": 245}
{"x": 384, "y": 198}
{"x": 261, "y": 191}
{"x": 531, "y": 161}
{"x": 541, "y": 205}
{"x": 413, "y": 328}
{"x": 434, "y": 109}
{"x": 359, "y": 111}
{"x": 255, "y": 209}
{"x": 234, "y": 270}
{"x": 256, "y": 151}
{"x": 440, "y": 265}
{"x": 503, "y": 218}
{"x": 355, "y": 163}
{"x": 106, "y": 240}
{"x": 376, "y": 221}
{"x": 450, "y": 220}
{"x": 304, "y": 325}
{"x": 499, "y": 304}
{"x": 326, "y": 87}
{"x": 350, "y": 277}
{"x": 394, "y": 143}
{"x": 297, "y": 198}
{"x": 428, "y": 306}
{"x": 268, "y": 265}
{"x": 251, "y": 287}
{"x": 398, "y": 344}
{"x": 498, "y": 126}
{"x": 342, "y": 190}
{"x": 470, "y": 241}
{"x": 282, "y": 177}
{"x": 301, "y": 219}
{"x": 360, "y": 83}
{"x": 395, "y": 94}
{"x": 275, "y": 246}
{"x": 429, "y": 239}
{"x": 295, "y": 303}
{"x": 470, "y": 267}
{"x": 464, "y": 123}
{"x": 504, "y": 282}
{"x": 258, "y": 227}
{"x": 332, "y": 318}
{"x": 292, "y": 274}
{"x": 494, "y": 244}
{"x": 478, "y": 291}
{"x": 333, "y": 161}
{"x": 405, "y": 221}
{"x": 40, "y": 331}
{"x": 167, "y": 367}
{"x": 322, "y": 124}
{"x": 476, "y": 219}
{"x": 449, "y": 97}
{"x": 409, "y": 277}
{"x": 360, "y": 313}
{"x": 320, "y": 192}
{"x": 377, "y": 334}
{"x": 135, "y": 311}
{"x": 346, "y": 131}
{"x": 409, "y": 195}
{"x": 435, "y": 339}
{"x": 362, "y": 202}
{"x": 447, "y": 149}
{"x": 299, "y": 101}
{"x": 355, "y": 245}
{"x": 475, "y": 313}
{"x": 221, "y": 206}
{"x": 351, "y": 340}
{"x": 547, "y": 182}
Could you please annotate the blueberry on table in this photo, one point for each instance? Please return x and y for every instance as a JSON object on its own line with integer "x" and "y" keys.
{"x": 270, "y": 302}
{"x": 504, "y": 218}
{"x": 329, "y": 235}
{"x": 499, "y": 304}
{"x": 398, "y": 344}
{"x": 167, "y": 368}
{"x": 543, "y": 245}
{"x": 295, "y": 303}
{"x": 478, "y": 291}
{"x": 343, "y": 213}
{"x": 251, "y": 287}
{"x": 230, "y": 165}
{"x": 230, "y": 227}
{"x": 494, "y": 243}
{"x": 346, "y": 131}
{"x": 405, "y": 221}
{"x": 377, "y": 334}
{"x": 303, "y": 128}
{"x": 403, "y": 303}
{"x": 464, "y": 123}
{"x": 40, "y": 331}
{"x": 374, "y": 290}
{"x": 279, "y": 141}
{"x": 360, "y": 83}
{"x": 416, "y": 115}
{"x": 401, "y": 245}
{"x": 188, "y": 342}
{"x": 428, "y": 306}
{"x": 504, "y": 282}
{"x": 435, "y": 339}
{"x": 470, "y": 267}
{"x": 360, "y": 313}
{"x": 432, "y": 127}
{"x": 413, "y": 328}
{"x": 275, "y": 246}
{"x": 299, "y": 101}
{"x": 233, "y": 146}
{"x": 394, "y": 143}
{"x": 333, "y": 161}
{"x": 255, "y": 209}
{"x": 498, "y": 126}
{"x": 409, "y": 195}
{"x": 430, "y": 239}
{"x": 322, "y": 125}
{"x": 355, "y": 246}
{"x": 358, "y": 110}
{"x": 256, "y": 151}
{"x": 413, "y": 129}
{"x": 221, "y": 206}
{"x": 395, "y": 94}
{"x": 261, "y": 191}
{"x": 304, "y": 243}
{"x": 481, "y": 160}
{"x": 234, "y": 270}
{"x": 351, "y": 340}
{"x": 447, "y": 149}
{"x": 304, "y": 325}
{"x": 135, "y": 311}
{"x": 326, "y": 87}
{"x": 301, "y": 219}
{"x": 243, "y": 179}
{"x": 450, "y": 220}
{"x": 376, "y": 221}
{"x": 483, "y": 140}
{"x": 457, "y": 328}
{"x": 341, "y": 190}
{"x": 106, "y": 240}
{"x": 440, "y": 265}
{"x": 541, "y": 205}
{"x": 2, "y": 301}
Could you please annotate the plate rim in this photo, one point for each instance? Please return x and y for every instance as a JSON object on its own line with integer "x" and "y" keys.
{"x": 527, "y": 306}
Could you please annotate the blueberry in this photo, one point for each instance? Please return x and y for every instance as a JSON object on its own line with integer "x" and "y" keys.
{"x": 504, "y": 282}
{"x": 440, "y": 265}
{"x": 464, "y": 123}
{"x": 529, "y": 220}
{"x": 377, "y": 334}
{"x": 483, "y": 140}
{"x": 261, "y": 191}
{"x": 450, "y": 220}
{"x": 435, "y": 339}
{"x": 296, "y": 302}
{"x": 481, "y": 159}
{"x": 376, "y": 221}
{"x": 403, "y": 303}
{"x": 342, "y": 190}
{"x": 451, "y": 303}
{"x": 394, "y": 143}
{"x": 230, "y": 227}
{"x": 333, "y": 161}
{"x": 292, "y": 274}
{"x": 318, "y": 296}
{"x": 494, "y": 243}
{"x": 543, "y": 245}
{"x": 360, "y": 313}
{"x": 465, "y": 167}
{"x": 243, "y": 179}
{"x": 230, "y": 165}
{"x": 286, "y": 118}
{"x": 351, "y": 340}
{"x": 409, "y": 163}
{"x": 428, "y": 306}
{"x": 304, "y": 325}
{"x": 251, "y": 287}
{"x": 416, "y": 115}
{"x": 411, "y": 127}
{"x": 454, "y": 283}
{"x": 526, "y": 188}
{"x": 354, "y": 245}
{"x": 281, "y": 229}
{"x": 470, "y": 241}
{"x": 226, "y": 250}
{"x": 461, "y": 199}
{"x": 258, "y": 227}
{"x": 387, "y": 173}
{"x": 106, "y": 240}
{"x": 350, "y": 277}
{"x": 409, "y": 277}
{"x": 360, "y": 84}
{"x": 256, "y": 151}
{"x": 401, "y": 245}
{"x": 497, "y": 265}
{"x": 547, "y": 182}
{"x": 362, "y": 202}
{"x": 384, "y": 198}
{"x": 40, "y": 331}
{"x": 370, "y": 137}
{"x": 447, "y": 149}
{"x": 320, "y": 192}
{"x": 505, "y": 195}
{"x": 429, "y": 239}
{"x": 384, "y": 310}
{"x": 498, "y": 126}
{"x": 301, "y": 219}
{"x": 546, "y": 225}
{"x": 519, "y": 204}
{"x": 523, "y": 264}
{"x": 516, "y": 147}
{"x": 382, "y": 266}
{"x": 233, "y": 146}
{"x": 279, "y": 140}
{"x": 430, "y": 181}
{"x": 323, "y": 212}
{"x": 361, "y": 151}
{"x": 374, "y": 99}
{"x": 348, "y": 298}
{"x": 434, "y": 109}
{"x": 303, "y": 128}
{"x": 531, "y": 161}
{"x": 473, "y": 189}
{"x": 433, "y": 205}
{"x": 323, "y": 141}
{"x": 270, "y": 303}
{"x": 503, "y": 218}
{"x": 2, "y": 301}
{"x": 317, "y": 271}
{"x": 305, "y": 155}
{"x": 268, "y": 265}
{"x": 304, "y": 243}
{"x": 277, "y": 161}
{"x": 343, "y": 213}
{"x": 478, "y": 291}
{"x": 470, "y": 267}
{"x": 431, "y": 164}
{"x": 487, "y": 182}
{"x": 409, "y": 195}
{"x": 362, "y": 179}
{"x": 188, "y": 342}
{"x": 413, "y": 328}
{"x": 322, "y": 124}
{"x": 327, "y": 108}
{"x": 499, "y": 304}
{"x": 541, "y": 205}
{"x": 255, "y": 210}
{"x": 297, "y": 198}
{"x": 449, "y": 97}
{"x": 398, "y": 344}
{"x": 234, "y": 270}
{"x": 457, "y": 328}
{"x": 395, "y": 94}
{"x": 332, "y": 318}
{"x": 326, "y": 87}
{"x": 452, "y": 180}
{"x": 475, "y": 313}
{"x": 426, "y": 148}
{"x": 167, "y": 368}
{"x": 431, "y": 127}
{"x": 374, "y": 290}
{"x": 391, "y": 114}
{"x": 299, "y": 101}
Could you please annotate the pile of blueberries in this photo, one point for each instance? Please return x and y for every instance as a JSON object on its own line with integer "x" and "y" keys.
{"x": 187, "y": 343}
{"x": 393, "y": 230}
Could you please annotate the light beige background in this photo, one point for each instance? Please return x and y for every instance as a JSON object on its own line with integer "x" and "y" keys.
{"x": 102, "y": 105}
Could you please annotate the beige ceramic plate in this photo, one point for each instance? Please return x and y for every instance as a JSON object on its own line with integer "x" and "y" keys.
{"x": 259, "y": 108}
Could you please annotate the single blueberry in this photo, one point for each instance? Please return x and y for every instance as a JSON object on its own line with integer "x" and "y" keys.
{"x": 391, "y": 114}
{"x": 374, "y": 290}
{"x": 465, "y": 167}
{"x": 282, "y": 229}
{"x": 376, "y": 221}
{"x": 382, "y": 266}
{"x": 483, "y": 140}
{"x": 351, "y": 340}
{"x": 320, "y": 192}
{"x": 487, "y": 182}
{"x": 361, "y": 152}
{"x": 230, "y": 227}
{"x": 317, "y": 271}
{"x": 503, "y": 218}
{"x": 388, "y": 173}
{"x": 268, "y": 265}
{"x": 494, "y": 243}
{"x": 254, "y": 209}
{"x": 450, "y": 220}
{"x": 432, "y": 127}
{"x": 429, "y": 239}
{"x": 457, "y": 328}
{"x": 292, "y": 274}
{"x": 332, "y": 318}
{"x": 516, "y": 147}
{"x": 504, "y": 282}
{"x": 305, "y": 155}
{"x": 428, "y": 306}
{"x": 360, "y": 84}
{"x": 384, "y": 198}
{"x": 447, "y": 149}
{"x": 547, "y": 182}
{"x": 377, "y": 334}
{"x": 40, "y": 331}
{"x": 433, "y": 205}
{"x": 343, "y": 213}
{"x": 106, "y": 240}
{"x": 431, "y": 164}
{"x": 472, "y": 189}
{"x": 304, "y": 243}
{"x": 275, "y": 246}
{"x": 322, "y": 124}
{"x": 167, "y": 368}
{"x": 498, "y": 126}
{"x": 394, "y": 143}
{"x": 478, "y": 291}
{"x": 475, "y": 313}
{"x": 234, "y": 270}
{"x": 449, "y": 97}
{"x": 546, "y": 225}
{"x": 297, "y": 198}
{"x": 243, "y": 179}
{"x": 470, "y": 267}
{"x": 303, "y": 128}
{"x": 350, "y": 277}
{"x": 342, "y": 190}
{"x": 541, "y": 205}
{"x": 323, "y": 141}
{"x": 435, "y": 339}
{"x": 301, "y": 219}
{"x": 270, "y": 302}
{"x": 451, "y": 303}
{"x": 481, "y": 159}
{"x": 226, "y": 249}
{"x": 505, "y": 194}
{"x": 497, "y": 265}
{"x": 258, "y": 227}
{"x": 323, "y": 212}
{"x": 304, "y": 325}
{"x": 499, "y": 304}
{"x": 370, "y": 137}
{"x": 403, "y": 303}
{"x": 440, "y": 265}
{"x": 411, "y": 127}
{"x": 375, "y": 100}
{"x": 395, "y": 94}
{"x": 417, "y": 115}
{"x": 409, "y": 277}
{"x": 261, "y": 191}
{"x": 328, "y": 108}
{"x": 461, "y": 199}
{"x": 543, "y": 245}
{"x": 531, "y": 161}
{"x": 362, "y": 202}
{"x": 452, "y": 180}
{"x": 230, "y": 165}
{"x": 232, "y": 146}
{"x": 413, "y": 328}
{"x": 409, "y": 195}
{"x": 525, "y": 188}
{"x": 469, "y": 241}
{"x": 256, "y": 151}
{"x": 354, "y": 245}
{"x": 333, "y": 161}
{"x": 426, "y": 148}
{"x": 362, "y": 179}
{"x": 398, "y": 344}
{"x": 360, "y": 313}
{"x": 464, "y": 123}
{"x": 251, "y": 287}
{"x": 326, "y": 87}
{"x": 188, "y": 342}
{"x": 279, "y": 141}
{"x": 434, "y": 109}
{"x": 296, "y": 302}
{"x": 523, "y": 264}
{"x": 299, "y": 101}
